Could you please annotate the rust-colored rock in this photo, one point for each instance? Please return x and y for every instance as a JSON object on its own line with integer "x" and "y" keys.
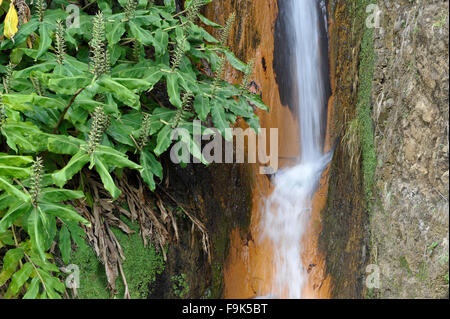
{"x": 247, "y": 272}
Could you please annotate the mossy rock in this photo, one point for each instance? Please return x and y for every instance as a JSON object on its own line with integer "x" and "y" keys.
{"x": 140, "y": 267}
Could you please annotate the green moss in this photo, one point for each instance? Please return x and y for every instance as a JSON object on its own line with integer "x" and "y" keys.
{"x": 422, "y": 274}
{"x": 92, "y": 274}
{"x": 140, "y": 267}
{"x": 364, "y": 105}
{"x": 179, "y": 285}
{"x": 404, "y": 264}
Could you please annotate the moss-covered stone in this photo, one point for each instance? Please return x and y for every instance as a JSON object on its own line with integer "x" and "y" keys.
{"x": 140, "y": 267}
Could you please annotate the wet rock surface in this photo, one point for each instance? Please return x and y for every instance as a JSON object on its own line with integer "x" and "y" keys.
{"x": 344, "y": 234}
{"x": 402, "y": 229}
{"x": 219, "y": 196}
{"x": 409, "y": 222}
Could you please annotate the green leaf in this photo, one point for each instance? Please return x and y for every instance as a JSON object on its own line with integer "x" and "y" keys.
{"x": 115, "y": 53}
{"x": 25, "y": 102}
{"x": 119, "y": 91}
{"x": 25, "y": 135}
{"x": 52, "y": 285}
{"x": 120, "y": 132}
{"x": 235, "y": 62}
{"x": 21, "y": 36}
{"x": 42, "y": 67}
{"x": 114, "y": 32}
{"x": 242, "y": 108}
{"x": 202, "y": 107}
{"x": 12, "y": 171}
{"x": 143, "y": 36}
{"x": 19, "y": 278}
{"x": 164, "y": 140}
{"x": 90, "y": 105}
{"x": 75, "y": 165}
{"x": 135, "y": 84}
{"x": 45, "y": 40}
{"x": 10, "y": 263}
{"x": 253, "y": 122}
{"x": 17, "y": 210}
{"x": 173, "y": 89}
{"x": 6, "y": 238}
{"x": 6, "y": 201}
{"x": 161, "y": 42}
{"x": 201, "y": 34}
{"x": 78, "y": 234}
{"x": 147, "y": 175}
{"x": 257, "y": 101}
{"x": 61, "y": 84}
{"x": 65, "y": 244}
{"x": 206, "y": 21}
{"x": 33, "y": 289}
{"x": 15, "y": 160}
{"x": 159, "y": 117}
{"x": 63, "y": 211}
{"x": 12, "y": 190}
{"x": 114, "y": 158}
{"x": 56, "y": 195}
{"x": 220, "y": 122}
{"x": 106, "y": 178}
{"x": 63, "y": 144}
{"x": 36, "y": 231}
{"x": 150, "y": 167}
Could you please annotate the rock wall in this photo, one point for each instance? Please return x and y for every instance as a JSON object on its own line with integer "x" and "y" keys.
{"x": 390, "y": 213}
{"x": 409, "y": 220}
{"x": 344, "y": 234}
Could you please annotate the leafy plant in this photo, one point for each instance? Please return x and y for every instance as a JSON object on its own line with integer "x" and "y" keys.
{"x": 92, "y": 101}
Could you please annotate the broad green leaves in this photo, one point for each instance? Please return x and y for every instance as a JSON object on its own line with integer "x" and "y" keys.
{"x": 76, "y": 163}
{"x": 103, "y": 158}
{"x": 11, "y": 189}
{"x": 143, "y": 36}
{"x": 220, "y": 121}
{"x": 202, "y": 107}
{"x": 173, "y": 89}
{"x": 48, "y": 103}
{"x": 13, "y": 166}
{"x": 164, "y": 140}
{"x": 106, "y": 178}
{"x": 25, "y": 102}
{"x": 64, "y": 243}
{"x": 10, "y": 263}
{"x": 150, "y": 168}
{"x": 122, "y": 93}
{"x": 45, "y": 40}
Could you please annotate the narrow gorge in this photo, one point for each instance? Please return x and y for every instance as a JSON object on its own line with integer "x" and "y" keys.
{"x": 354, "y": 207}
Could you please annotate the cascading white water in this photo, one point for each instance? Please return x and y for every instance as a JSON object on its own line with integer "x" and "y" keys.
{"x": 288, "y": 208}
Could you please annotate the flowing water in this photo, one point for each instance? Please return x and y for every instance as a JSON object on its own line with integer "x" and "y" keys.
{"x": 288, "y": 208}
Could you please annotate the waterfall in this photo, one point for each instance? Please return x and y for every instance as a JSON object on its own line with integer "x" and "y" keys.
{"x": 287, "y": 210}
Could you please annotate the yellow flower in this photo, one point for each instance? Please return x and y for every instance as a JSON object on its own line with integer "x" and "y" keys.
{"x": 11, "y": 21}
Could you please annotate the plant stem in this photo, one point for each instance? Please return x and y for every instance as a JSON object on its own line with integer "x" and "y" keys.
{"x": 61, "y": 118}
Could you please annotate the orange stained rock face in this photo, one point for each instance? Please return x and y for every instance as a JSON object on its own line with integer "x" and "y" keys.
{"x": 249, "y": 267}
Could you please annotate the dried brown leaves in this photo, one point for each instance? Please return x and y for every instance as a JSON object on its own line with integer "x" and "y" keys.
{"x": 156, "y": 219}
